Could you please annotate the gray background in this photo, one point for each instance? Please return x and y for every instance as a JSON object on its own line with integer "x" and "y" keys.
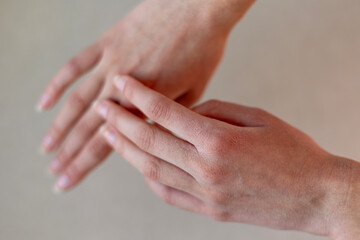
{"x": 297, "y": 59}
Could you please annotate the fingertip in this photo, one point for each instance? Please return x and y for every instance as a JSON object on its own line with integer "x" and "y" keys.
{"x": 120, "y": 81}
{"x": 94, "y": 104}
{"x": 43, "y": 151}
{"x": 62, "y": 184}
{"x": 108, "y": 133}
{"x": 47, "y": 145}
{"x": 39, "y": 109}
{"x": 45, "y": 103}
{"x": 54, "y": 167}
{"x": 101, "y": 108}
{"x": 102, "y": 128}
{"x": 56, "y": 190}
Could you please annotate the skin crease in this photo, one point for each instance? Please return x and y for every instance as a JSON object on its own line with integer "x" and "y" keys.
{"x": 234, "y": 163}
{"x": 171, "y": 46}
{"x": 251, "y": 167}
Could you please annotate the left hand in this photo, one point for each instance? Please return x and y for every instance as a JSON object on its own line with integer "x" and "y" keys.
{"x": 173, "y": 46}
{"x": 226, "y": 161}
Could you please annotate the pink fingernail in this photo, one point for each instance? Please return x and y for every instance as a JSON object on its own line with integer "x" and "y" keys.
{"x": 48, "y": 143}
{"x": 44, "y": 102}
{"x": 120, "y": 82}
{"x": 109, "y": 135}
{"x": 102, "y": 109}
{"x": 63, "y": 182}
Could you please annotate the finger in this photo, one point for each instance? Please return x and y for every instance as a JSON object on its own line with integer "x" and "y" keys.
{"x": 68, "y": 74}
{"x": 177, "y": 197}
{"x": 95, "y": 151}
{"x": 169, "y": 114}
{"x": 148, "y": 137}
{"x": 79, "y": 136}
{"x": 149, "y": 165}
{"x": 75, "y": 105}
{"x": 233, "y": 113}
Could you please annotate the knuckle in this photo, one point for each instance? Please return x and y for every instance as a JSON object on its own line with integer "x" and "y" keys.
{"x": 72, "y": 67}
{"x": 216, "y": 142}
{"x": 213, "y": 103}
{"x": 260, "y": 114}
{"x": 108, "y": 51}
{"x": 76, "y": 101}
{"x": 259, "y": 111}
{"x": 151, "y": 169}
{"x": 145, "y": 137}
{"x": 212, "y": 175}
{"x": 55, "y": 130}
{"x": 158, "y": 109}
{"x": 83, "y": 129}
{"x": 63, "y": 157}
{"x": 221, "y": 141}
{"x": 218, "y": 214}
{"x": 167, "y": 197}
{"x": 217, "y": 198}
{"x": 73, "y": 171}
{"x": 188, "y": 154}
{"x": 97, "y": 149}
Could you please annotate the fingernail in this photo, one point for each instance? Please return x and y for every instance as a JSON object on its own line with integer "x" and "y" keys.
{"x": 54, "y": 166}
{"x": 102, "y": 109}
{"x": 94, "y": 104}
{"x": 102, "y": 128}
{"x": 109, "y": 135}
{"x": 120, "y": 82}
{"x": 63, "y": 182}
{"x": 43, "y": 103}
{"x": 47, "y": 143}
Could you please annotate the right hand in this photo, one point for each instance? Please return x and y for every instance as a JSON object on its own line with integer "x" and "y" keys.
{"x": 233, "y": 163}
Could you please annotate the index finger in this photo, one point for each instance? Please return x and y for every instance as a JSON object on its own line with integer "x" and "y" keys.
{"x": 183, "y": 122}
{"x": 68, "y": 74}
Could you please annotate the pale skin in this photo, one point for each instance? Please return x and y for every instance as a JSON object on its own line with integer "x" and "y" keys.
{"x": 233, "y": 163}
{"x": 171, "y": 46}
{"x": 226, "y": 161}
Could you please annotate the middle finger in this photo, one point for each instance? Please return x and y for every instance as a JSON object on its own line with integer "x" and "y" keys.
{"x": 76, "y": 104}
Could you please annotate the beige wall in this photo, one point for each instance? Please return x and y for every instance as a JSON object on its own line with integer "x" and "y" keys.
{"x": 297, "y": 59}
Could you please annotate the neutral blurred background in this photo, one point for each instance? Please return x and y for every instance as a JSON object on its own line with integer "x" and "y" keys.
{"x": 297, "y": 59}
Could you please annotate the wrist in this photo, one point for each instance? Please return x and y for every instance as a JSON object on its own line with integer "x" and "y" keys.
{"x": 343, "y": 185}
{"x": 221, "y": 15}
{"x": 226, "y": 13}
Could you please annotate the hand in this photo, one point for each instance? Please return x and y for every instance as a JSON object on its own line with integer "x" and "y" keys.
{"x": 230, "y": 162}
{"x": 171, "y": 46}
